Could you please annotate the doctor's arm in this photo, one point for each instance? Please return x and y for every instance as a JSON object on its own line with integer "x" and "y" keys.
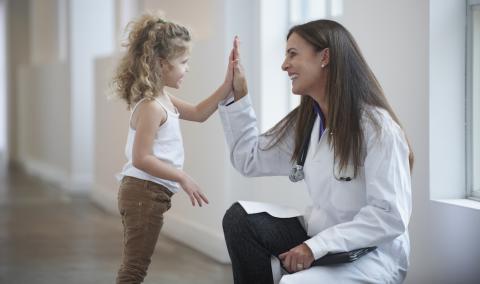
{"x": 388, "y": 196}
{"x": 250, "y": 153}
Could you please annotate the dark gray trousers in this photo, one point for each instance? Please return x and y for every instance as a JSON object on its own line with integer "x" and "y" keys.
{"x": 253, "y": 239}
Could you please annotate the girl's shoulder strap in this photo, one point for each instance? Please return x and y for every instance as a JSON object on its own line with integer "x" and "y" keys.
{"x": 133, "y": 111}
{"x": 166, "y": 108}
{"x": 158, "y": 101}
{"x": 135, "y": 107}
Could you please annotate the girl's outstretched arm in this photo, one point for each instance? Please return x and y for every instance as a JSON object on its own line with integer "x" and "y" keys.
{"x": 207, "y": 107}
{"x": 204, "y": 109}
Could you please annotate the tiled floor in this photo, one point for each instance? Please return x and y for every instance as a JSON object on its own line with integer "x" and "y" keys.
{"x": 47, "y": 236}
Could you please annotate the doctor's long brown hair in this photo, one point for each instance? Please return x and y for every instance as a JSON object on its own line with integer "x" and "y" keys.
{"x": 351, "y": 85}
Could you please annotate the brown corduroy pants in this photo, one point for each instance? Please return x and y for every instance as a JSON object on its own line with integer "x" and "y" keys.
{"x": 142, "y": 204}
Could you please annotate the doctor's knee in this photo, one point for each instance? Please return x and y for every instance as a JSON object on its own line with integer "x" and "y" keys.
{"x": 234, "y": 220}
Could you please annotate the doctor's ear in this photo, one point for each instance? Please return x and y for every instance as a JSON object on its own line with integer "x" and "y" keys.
{"x": 324, "y": 57}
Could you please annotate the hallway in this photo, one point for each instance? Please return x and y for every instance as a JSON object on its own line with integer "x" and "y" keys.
{"x": 48, "y": 236}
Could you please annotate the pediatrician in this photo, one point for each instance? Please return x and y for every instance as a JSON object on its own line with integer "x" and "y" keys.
{"x": 347, "y": 143}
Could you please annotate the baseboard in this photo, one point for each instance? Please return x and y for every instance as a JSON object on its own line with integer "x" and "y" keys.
{"x": 46, "y": 172}
{"x": 81, "y": 183}
{"x": 105, "y": 198}
{"x": 197, "y": 237}
{"x": 175, "y": 227}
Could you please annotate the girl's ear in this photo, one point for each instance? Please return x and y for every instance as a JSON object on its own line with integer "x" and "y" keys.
{"x": 164, "y": 64}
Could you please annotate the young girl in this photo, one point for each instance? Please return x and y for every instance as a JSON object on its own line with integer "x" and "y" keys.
{"x": 157, "y": 57}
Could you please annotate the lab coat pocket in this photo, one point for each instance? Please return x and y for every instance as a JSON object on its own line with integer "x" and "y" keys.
{"x": 348, "y": 192}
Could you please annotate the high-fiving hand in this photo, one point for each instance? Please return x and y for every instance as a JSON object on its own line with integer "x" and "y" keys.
{"x": 240, "y": 88}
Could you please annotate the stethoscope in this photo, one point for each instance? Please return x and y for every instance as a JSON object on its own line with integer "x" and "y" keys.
{"x": 297, "y": 174}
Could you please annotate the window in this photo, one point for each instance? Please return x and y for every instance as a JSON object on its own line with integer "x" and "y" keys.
{"x": 301, "y": 11}
{"x": 277, "y": 100}
{"x": 473, "y": 99}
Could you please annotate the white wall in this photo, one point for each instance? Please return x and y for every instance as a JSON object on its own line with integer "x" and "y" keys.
{"x": 51, "y": 89}
{"x": 92, "y": 34}
{"x": 44, "y": 120}
{"x": 273, "y": 85}
{"x": 38, "y": 94}
{"x": 18, "y": 49}
{"x": 45, "y": 27}
{"x": 3, "y": 80}
{"x": 110, "y": 131}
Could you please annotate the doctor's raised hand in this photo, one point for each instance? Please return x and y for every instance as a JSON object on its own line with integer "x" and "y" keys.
{"x": 240, "y": 88}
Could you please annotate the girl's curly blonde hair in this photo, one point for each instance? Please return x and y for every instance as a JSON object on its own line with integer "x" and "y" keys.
{"x": 150, "y": 40}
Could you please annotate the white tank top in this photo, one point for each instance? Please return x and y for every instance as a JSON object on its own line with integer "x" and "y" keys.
{"x": 167, "y": 146}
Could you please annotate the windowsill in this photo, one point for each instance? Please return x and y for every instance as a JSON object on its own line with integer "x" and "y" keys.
{"x": 465, "y": 203}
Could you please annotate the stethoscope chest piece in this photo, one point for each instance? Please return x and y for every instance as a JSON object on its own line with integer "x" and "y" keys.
{"x": 297, "y": 174}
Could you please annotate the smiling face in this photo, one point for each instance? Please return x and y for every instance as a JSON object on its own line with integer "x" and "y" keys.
{"x": 303, "y": 63}
{"x": 175, "y": 69}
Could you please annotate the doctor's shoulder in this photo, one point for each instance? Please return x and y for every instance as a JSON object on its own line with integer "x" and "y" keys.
{"x": 378, "y": 124}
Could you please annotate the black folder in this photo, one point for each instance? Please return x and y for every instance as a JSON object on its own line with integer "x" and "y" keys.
{"x": 342, "y": 257}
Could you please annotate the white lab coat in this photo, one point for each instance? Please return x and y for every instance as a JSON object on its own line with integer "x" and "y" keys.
{"x": 371, "y": 210}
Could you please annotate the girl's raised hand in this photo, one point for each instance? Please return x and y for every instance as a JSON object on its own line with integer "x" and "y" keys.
{"x": 229, "y": 76}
